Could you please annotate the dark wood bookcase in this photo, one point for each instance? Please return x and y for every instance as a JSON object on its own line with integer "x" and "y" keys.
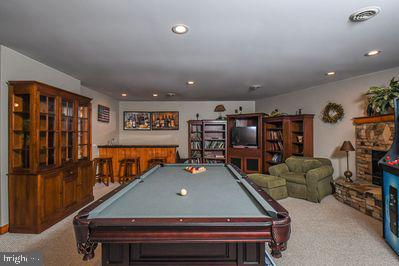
{"x": 50, "y": 168}
{"x": 247, "y": 159}
{"x": 285, "y": 136}
{"x": 207, "y": 141}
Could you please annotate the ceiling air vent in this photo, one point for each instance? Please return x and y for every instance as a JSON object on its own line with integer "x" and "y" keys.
{"x": 365, "y": 14}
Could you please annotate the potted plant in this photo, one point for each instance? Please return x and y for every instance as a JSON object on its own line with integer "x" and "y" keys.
{"x": 380, "y": 99}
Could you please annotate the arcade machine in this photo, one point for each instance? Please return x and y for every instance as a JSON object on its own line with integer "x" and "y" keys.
{"x": 390, "y": 188}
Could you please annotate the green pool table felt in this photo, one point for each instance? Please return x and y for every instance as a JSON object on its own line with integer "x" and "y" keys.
{"x": 217, "y": 192}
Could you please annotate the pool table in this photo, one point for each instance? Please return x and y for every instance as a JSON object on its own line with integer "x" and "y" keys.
{"x": 225, "y": 219}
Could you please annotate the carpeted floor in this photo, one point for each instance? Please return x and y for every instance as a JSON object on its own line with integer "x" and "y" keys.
{"x": 329, "y": 233}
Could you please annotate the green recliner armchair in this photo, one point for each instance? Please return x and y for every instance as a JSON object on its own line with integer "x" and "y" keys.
{"x": 307, "y": 178}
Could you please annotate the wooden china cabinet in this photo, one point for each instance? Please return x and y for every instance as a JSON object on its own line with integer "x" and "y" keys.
{"x": 50, "y": 167}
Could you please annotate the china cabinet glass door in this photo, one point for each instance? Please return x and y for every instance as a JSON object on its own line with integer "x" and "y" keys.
{"x": 83, "y": 132}
{"x": 21, "y": 131}
{"x": 47, "y": 135}
{"x": 67, "y": 130}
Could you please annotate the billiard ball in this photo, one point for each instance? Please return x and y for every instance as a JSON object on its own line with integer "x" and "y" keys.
{"x": 183, "y": 192}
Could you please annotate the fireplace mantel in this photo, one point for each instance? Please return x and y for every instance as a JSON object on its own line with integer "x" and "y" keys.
{"x": 373, "y": 119}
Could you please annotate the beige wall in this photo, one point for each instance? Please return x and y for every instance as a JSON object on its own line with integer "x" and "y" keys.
{"x": 102, "y": 132}
{"x": 187, "y": 111}
{"x": 329, "y": 137}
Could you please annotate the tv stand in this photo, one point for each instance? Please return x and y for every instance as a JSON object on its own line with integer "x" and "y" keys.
{"x": 247, "y": 158}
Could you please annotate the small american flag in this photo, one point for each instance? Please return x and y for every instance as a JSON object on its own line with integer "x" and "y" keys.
{"x": 103, "y": 114}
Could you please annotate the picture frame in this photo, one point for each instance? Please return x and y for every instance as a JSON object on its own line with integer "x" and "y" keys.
{"x": 165, "y": 120}
{"x": 136, "y": 120}
{"x": 103, "y": 113}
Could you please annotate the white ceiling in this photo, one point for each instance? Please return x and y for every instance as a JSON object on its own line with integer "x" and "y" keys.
{"x": 117, "y": 46}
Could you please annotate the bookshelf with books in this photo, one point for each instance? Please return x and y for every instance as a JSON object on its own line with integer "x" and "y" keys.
{"x": 207, "y": 141}
{"x": 285, "y": 136}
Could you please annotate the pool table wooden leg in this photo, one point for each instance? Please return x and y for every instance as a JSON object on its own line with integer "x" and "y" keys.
{"x": 277, "y": 248}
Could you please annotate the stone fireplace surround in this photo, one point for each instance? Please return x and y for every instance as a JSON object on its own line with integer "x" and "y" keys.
{"x": 373, "y": 133}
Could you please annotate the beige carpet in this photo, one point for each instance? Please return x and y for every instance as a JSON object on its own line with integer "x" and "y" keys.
{"x": 329, "y": 233}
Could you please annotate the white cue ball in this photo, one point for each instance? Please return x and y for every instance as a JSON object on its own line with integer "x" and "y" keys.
{"x": 183, "y": 192}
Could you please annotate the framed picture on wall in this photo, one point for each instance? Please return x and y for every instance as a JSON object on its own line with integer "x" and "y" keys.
{"x": 136, "y": 120}
{"x": 103, "y": 113}
{"x": 165, "y": 120}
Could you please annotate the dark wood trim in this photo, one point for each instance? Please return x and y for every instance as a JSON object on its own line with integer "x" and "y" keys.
{"x": 374, "y": 119}
{"x": 30, "y": 82}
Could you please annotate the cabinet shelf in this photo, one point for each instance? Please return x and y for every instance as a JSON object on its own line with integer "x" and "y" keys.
{"x": 47, "y": 114}
{"x": 270, "y": 151}
{"x": 272, "y": 162}
{"x": 21, "y": 112}
{"x": 21, "y": 149}
{"x": 215, "y": 131}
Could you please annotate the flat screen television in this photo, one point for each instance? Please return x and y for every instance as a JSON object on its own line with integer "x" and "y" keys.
{"x": 244, "y": 136}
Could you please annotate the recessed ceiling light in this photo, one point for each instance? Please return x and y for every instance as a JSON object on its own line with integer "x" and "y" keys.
{"x": 190, "y": 82}
{"x": 124, "y": 94}
{"x": 179, "y": 28}
{"x": 254, "y": 87}
{"x": 155, "y": 94}
{"x": 171, "y": 94}
{"x": 331, "y": 73}
{"x": 372, "y": 53}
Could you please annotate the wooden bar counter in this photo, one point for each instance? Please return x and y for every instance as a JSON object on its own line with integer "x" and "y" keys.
{"x": 145, "y": 152}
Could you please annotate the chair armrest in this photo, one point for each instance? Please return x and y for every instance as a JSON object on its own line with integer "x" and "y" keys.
{"x": 312, "y": 181}
{"x": 319, "y": 173}
{"x": 279, "y": 169}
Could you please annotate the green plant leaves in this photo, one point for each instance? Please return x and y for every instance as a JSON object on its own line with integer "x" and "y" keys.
{"x": 381, "y": 99}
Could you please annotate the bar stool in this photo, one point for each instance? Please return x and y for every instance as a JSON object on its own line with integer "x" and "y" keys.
{"x": 103, "y": 170}
{"x": 154, "y": 161}
{"x": 109, "y": 168}
{"x": 125, "y": 172}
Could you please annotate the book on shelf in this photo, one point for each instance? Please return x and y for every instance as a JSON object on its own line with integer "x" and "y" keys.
{"x": 196, "y": 154}
{"x": 214, "y": 144}
{"x": 195, "y": 145}
{"x": 275, "y": 135}
{"x": 196, "y": 136}
{"x": 276, "y": 146}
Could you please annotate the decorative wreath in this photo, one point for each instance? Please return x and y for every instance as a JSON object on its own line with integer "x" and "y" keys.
{"x": 332, "y": 113}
